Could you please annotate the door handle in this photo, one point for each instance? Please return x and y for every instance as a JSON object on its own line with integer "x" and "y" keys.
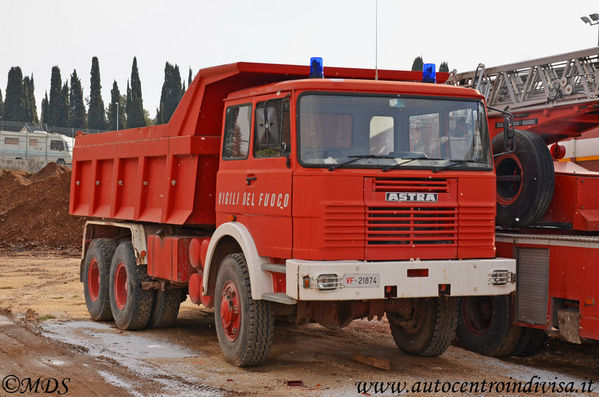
{"x": 250, "y": 179}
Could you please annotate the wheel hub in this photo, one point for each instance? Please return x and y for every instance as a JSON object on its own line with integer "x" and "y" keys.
{"x": 120, "y": 286}
{"x": 93, "y": 280}
{"x": 230, "y": 311}
{"x": 509, "y": 178}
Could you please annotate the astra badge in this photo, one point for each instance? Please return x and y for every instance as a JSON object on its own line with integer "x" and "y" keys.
{"x": 411, "y": 196}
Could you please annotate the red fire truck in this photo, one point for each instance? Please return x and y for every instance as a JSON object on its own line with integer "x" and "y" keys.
{"x": 547, "y": 209}
{"x": 274, "y": 191}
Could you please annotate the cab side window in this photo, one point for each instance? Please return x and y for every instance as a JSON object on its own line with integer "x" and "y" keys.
{"x": 236, "y": 140}
{"x": 56, "y": 145}
{"x": 272, "y": 129}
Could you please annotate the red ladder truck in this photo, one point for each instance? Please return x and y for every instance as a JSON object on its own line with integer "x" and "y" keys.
{"x": 547, "y": 210}
{"x": 270, "y": 193}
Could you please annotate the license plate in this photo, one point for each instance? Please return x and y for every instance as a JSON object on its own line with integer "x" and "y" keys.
{"x": 361, "y": 280}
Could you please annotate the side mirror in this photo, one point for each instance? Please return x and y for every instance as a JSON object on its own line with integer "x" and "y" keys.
{"x": 509, "y": 137}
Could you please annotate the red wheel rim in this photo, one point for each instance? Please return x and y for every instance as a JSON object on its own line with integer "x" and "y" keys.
{"x": 230, "y": 311}
{"x": 93, "y": 280}
{"x": 477, "y": 313}
{"x": 510, "y": 177}
{"x": 120, "y": 286}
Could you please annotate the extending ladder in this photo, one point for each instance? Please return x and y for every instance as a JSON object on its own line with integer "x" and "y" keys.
{"x": 558, "y": 80}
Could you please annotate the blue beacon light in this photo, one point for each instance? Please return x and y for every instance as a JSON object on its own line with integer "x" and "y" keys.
{"x": 316, "y": 67}
{"x": 428, "y": 73}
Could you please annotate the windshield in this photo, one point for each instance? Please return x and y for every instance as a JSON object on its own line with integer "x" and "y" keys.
{"x": 368, "y": 131}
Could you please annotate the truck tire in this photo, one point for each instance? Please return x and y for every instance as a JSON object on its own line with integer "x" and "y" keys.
{"x": 525, "y": 180}
{"x": 531, "y": 341}
{"x": 485, "y": 325}
{"x": 96, "y": 269}
{"x": 165, "y": 308}
{"x": 245, "y": 327}
{"x": 431, "y": 329}
{"x": 130, "y": 304}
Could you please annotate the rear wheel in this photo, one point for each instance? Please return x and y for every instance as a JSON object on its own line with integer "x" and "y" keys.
{"x": 531, "y": 341}
{"x": 245, "y": 327}
{"x": 130, "y": 304}
{"x": 485, "y": 326}
{"x": 525, "y": 180}
{"x": 165, "y": 308}
{"x": 429, "y": 331}
{"x": 96, "y": 269}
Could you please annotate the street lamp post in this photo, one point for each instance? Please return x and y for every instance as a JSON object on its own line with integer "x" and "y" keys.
{"x": 592, "y": 19}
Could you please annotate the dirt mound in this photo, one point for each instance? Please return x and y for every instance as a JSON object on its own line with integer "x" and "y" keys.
{"x": 50, "y": 170}
{"x": 34, "y": 210}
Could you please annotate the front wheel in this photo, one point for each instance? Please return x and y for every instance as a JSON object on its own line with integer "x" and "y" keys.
{"x": 430, "y": 329}
{"x": 531, "y": 341}
{"x": 245, "y": 327}
{"x": 485, "y": 326}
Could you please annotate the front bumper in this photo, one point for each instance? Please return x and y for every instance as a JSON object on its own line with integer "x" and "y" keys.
{"x": 469, "y": 277}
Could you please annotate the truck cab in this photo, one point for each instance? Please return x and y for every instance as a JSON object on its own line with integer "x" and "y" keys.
{"x": 331, "y": 170}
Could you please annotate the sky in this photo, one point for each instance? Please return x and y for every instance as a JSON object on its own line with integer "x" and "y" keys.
{"x": 38, "y": 34}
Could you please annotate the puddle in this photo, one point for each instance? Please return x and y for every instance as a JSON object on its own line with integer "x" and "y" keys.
{"x": 137, "y": 353}
{"x": 101, "y": 339}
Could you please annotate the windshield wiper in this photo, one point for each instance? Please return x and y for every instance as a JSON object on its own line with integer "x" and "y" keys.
{"x": 354, "y": 158}
{"x": 399, "y": 165}
{"x": 452, "y": 163}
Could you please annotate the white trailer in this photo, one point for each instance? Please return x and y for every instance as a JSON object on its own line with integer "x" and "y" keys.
{"x": 31, "y": 151}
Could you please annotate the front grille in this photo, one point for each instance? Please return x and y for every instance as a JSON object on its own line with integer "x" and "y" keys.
{"x": 411, "y": 226}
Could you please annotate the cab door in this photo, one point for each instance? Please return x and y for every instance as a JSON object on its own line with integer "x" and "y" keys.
{"x": 269, "y": 177}
{"x": 255, "y": 176}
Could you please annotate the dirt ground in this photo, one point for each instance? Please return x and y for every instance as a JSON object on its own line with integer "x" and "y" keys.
{"x": 46, "y": 333}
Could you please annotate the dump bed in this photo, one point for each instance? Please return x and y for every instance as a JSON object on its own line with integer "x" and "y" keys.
{"x": 167, "y": 173}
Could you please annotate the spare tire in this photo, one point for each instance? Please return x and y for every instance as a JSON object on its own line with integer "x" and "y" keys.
{"x": 525, "y": 180}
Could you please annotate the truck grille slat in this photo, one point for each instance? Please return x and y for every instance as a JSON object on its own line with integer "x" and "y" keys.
{"x": 432, "y": 185}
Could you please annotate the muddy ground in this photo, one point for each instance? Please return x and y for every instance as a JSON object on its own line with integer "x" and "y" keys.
{"x": 45, "y": 333}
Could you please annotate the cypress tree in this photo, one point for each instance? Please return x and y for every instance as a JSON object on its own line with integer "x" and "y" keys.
{"x": 53, "y": 115}
{"x": 417, "y": 64}
{"x": 45, "y": 109}
{"x": 13, "y": 103}
{"x": 444, "y": 67}
{"x": 189, "y": 78}
{"x": 1, "y": 106}
{"x": 171, "y": 93}
{"x": 63, "y": 107}
{"x": 135, "y": 109}
{"x": 76, "y": 106}
{"x": 29, "y": 106}
{"x": 128, "y": 96}
{"x": 96, "y": 115}
{"x": 116, "y": 98}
